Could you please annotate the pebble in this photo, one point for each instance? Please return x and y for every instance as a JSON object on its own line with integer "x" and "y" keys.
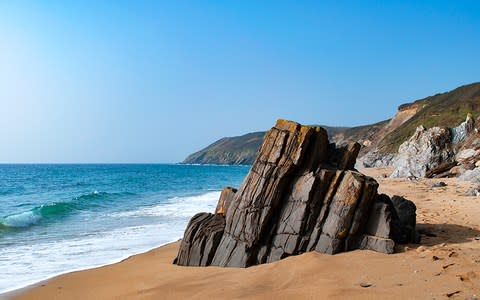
{"x": 421, "y": 249}
{"x": 365, "y": 284}
{"x": 438, "y": 184}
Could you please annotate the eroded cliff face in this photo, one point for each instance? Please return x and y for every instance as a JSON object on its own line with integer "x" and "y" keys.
{"x": 301, "y": 194}
{"x": 372, "y": 156}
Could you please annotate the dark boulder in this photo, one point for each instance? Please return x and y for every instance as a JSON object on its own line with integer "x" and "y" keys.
{"x": 404, "y": 221}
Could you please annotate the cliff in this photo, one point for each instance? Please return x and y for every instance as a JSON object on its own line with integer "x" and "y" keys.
{"x": 239, "y": 150}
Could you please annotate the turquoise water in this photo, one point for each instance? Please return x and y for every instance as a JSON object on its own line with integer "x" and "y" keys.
{"x": 59, "y": 218}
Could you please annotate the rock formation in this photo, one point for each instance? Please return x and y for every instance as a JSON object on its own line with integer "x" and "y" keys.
{"x": 439, "y": 151}
{"x": 377, "y": 159}
{"x": 301, "y": 194}
{"x": 426, "y": 150}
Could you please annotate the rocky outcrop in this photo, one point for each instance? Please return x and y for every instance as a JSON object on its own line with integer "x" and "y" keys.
{"x": 442, "y": 110}
{"x": 375, "y": 158}
{"x": 426, "y": 150}
{"x": 439, "y": 151}
{"x": 301, "y": 194}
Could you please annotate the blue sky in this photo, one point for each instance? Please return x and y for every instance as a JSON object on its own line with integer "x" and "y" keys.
{"x": 152, "y": 81}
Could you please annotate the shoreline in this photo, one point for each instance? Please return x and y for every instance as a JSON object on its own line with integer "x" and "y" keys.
{"x": 446, "y": 264}
{"x": 18, "y": 290}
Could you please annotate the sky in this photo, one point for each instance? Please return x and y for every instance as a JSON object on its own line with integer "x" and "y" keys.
{"x": 153, "y": 81}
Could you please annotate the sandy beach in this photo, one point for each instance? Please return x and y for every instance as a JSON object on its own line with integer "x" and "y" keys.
{"x": 445, "y": 265}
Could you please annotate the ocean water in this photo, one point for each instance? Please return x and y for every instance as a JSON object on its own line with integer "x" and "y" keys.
{"x": 59, "y": 218}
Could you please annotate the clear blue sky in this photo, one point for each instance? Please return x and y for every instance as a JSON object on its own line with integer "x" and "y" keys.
{"x": 152, "y": 81}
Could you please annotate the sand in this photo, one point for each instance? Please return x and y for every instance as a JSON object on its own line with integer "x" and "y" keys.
{"x": 445, "y": 265}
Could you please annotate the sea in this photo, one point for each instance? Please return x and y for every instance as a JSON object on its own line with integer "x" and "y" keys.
{"x": 58, "y": 218}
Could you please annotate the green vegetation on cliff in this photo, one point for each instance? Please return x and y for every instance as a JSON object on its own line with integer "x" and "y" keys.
{"x": 239, "y": 150}
{"x": 446, "y": 109}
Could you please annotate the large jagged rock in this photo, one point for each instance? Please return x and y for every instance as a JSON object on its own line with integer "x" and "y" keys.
{"x": 437, "y": 151}
{"x": 301, "y": 194}
{"x": 426, "y": 150}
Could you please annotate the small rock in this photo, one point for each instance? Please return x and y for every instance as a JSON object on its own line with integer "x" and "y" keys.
{"x": 365, "y": 285}
{"x": 446, "y": 266}
{"x": 453, "y": 254}
{"x": 435, "y": 257}
{"x": 452, "y": 293}
{"x": 438, "y": 184}
{"x": 473, "y": 192}
{"x": 477, "y": 238}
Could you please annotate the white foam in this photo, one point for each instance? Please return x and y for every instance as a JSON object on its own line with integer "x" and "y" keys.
{"x": 23, "y": 265}
{"x": 176, "y": 207}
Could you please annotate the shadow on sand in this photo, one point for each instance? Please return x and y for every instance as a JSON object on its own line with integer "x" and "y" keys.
{"x": 436, "y": 234}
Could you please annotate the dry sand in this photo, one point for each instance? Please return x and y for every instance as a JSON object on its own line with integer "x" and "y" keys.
{"x": 445, "y": 265}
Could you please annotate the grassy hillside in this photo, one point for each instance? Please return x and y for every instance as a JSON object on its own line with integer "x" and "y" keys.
{"x": 446, "y": 109}
{"x": 230, "y": 150}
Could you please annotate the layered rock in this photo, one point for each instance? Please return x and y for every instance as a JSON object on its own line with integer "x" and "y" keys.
{"x": 377, "y": 159}
{"x": 439, "y": 151}
{"x": 426, "y": 150}
{"x": 461, "y": 132}
{"x": 301, "y": 194}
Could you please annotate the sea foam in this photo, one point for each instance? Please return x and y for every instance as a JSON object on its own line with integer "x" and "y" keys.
{"x": 100, "y": 248}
